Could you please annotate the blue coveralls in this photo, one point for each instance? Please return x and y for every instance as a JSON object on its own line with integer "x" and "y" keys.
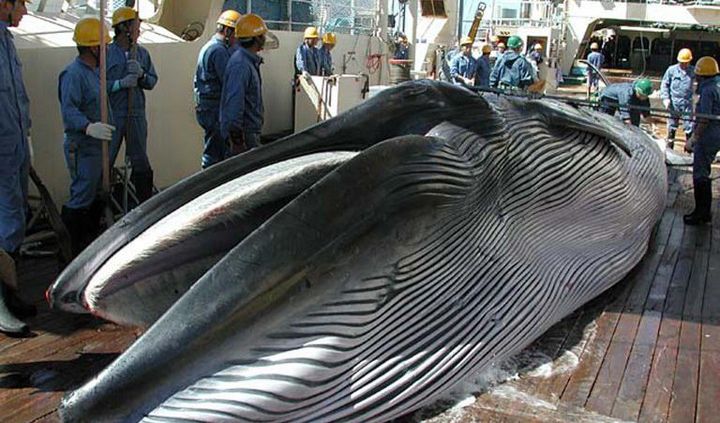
{"x": 136, "y": 137}
{"x": 326, "y": 64}
{"x": 617, "y": 97}
{"x": 482, "y": 71}
{"x": 512, "y": 71}
{"x": 79, "y": 94}
{"x": 596, "y": 59}
{"x": 677, "y": 86}
{"x": 208, "y": 83}
{"x": 241, "y": 108}
{"x": 307, "y": 59}
{"x": 402, "y": 52}
{"x": 14, "y": 151}
{"x": 708, "y": 144}
{"x": 462, "y": 65}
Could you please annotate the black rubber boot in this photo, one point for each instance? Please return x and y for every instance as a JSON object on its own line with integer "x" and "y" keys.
{"x": 8, "y": 322}
{"x": 16, "y": 305}
{"x": 703, "y": 199}
{"x": 77, "y": 222}
{"x": 143, "y": 183}
{"x": 670, "y": 142}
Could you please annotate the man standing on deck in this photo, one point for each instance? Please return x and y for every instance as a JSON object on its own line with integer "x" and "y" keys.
{"x": 483, "y": 68}
{"x": 596, "y": 59}
{"x": 705, "y": 141}
{"x": 14, "y": 168}
{"x": 324, "y": 54}
{"x": 130, "y": 72}
{"x": 619, "y": 96}
{"x": 208, "y": 84}
{"x": 512, "y": 71}
{"x": 307, "y": 59}
{"x": 676, "y": 91}
{"x": 462, "y": 66}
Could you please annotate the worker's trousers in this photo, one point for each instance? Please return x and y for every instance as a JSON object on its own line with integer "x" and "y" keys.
{"x": 215, "y": 148}
{"x": 13, "y": 200}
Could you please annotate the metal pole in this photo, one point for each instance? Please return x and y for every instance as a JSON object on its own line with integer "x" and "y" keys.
{"x": 103, "y": 101}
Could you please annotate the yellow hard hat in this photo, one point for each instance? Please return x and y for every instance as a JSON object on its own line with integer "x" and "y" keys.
{"x": 706, "y": 66}
{"x": 501, "y": 44}
{"x": 594, "y": 46}
{"x": 538, "y": 46}
{"x": 466, "y": 40}
{"x": 684, "y": 56}
{"x": 229, "y": 18}
{"x": 486, "y": 48}
{"x": 123, "y": 14}
{"x": 249, "y": 26}
{"x": 329, "y": 38}
{"x": 495, "y": 39}
{"x": 311, "y": 32}
{"x": 87, "y": 32}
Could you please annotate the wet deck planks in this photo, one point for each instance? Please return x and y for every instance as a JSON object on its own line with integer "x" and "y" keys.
{"x": 654, "y": 353}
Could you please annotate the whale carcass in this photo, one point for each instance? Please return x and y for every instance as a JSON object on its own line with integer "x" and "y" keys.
{"x": 448, "y": 241}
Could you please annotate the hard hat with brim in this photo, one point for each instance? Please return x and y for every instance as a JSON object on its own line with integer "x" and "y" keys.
{"x": 466, "y": 41}
{"x": 311, "y": 32}
{"x": 123, "y": 14}
{"x": 706, "y": 66}
{"x": 644, "y": 87}
{"x": 514, "y": 42}
{"x": 87, "y": 32}
{"x": 685, "y": 56}
{"x": 229, "y": 18}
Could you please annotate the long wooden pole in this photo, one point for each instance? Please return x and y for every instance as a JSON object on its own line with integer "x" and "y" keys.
{"x": 103, "y": 102}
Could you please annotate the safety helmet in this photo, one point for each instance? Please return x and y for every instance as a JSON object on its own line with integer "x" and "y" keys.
{"x": 87, "y": 32}
{"x": 684, "y": 56}
{"x": 329, "y": 38}
{"x": 644, "y": 87}
{"x": 594, "y": 46}
{"x": 486, "y": 48}
{"x": 514, "y": 42}
{"x": 538, "y": 46}
{"x": 311, "y": 32}
{"x": 494, "y": 39}
{"x": 466, "y": 41}
{"x": 249, "y": 26}
{"x": 706, "y": 66}
{"x": 123, "y": 14}
{"x": 501, "y": 44}
{"x": 229, "y": 18}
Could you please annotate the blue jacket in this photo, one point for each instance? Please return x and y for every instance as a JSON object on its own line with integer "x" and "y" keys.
{"x": 482, "y": 73}
{"x": 596, "y": 59}
{"x": 14, "y": 105}
{"x": 709, "y": 103}
{"x": 210, "y": 72}
{"x": 117, "y": 69}
{"x": 624, "y": 95}
{"x": 326, "y": 64}
{"x": 241, "y": 107}
{"x": 462, "y": 65}
{"x": 401, "y": 52}
{"x": 513, "y": 70}
{"x": 677, "y": 86}
{"x": 307, "y": 59}
{"x": 79, "y": 95}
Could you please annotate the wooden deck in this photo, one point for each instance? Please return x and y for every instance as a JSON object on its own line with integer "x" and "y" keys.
{"x": 647, "y": 350}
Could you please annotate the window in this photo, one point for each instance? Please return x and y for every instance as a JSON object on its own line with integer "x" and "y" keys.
{"x": 434, "y": 8}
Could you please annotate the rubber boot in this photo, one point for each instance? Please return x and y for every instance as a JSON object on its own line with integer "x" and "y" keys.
{"x": 670, "y": 142}
{"x": 143, "y": 183}
{"x": 8, "y": 322}
{"x": 703, "y": 200}
{"x": 9, "y": 286}
{"x": 76, "y": 221}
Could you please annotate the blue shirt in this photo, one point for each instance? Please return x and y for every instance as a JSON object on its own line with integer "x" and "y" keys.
{"x": 241, "y": 107}
{"x": 462, "y": 65}
{"x": 326, "y": 64}
{"x": 482, "y": 73}
{"x": 117, "y": 69}
{"x": 513, "y": 70}
{"x": 402, "y": 52}
{"x": 624, "y": 95}
{"x": 307, "y": 59}
{"x": 79, "y": 95}
{"x": 677, "y": 85}
{"x": 210, "y": 72}
{"x": 709, "y": 103}
{"x": 14, "y": 105}
{"x": 596, "y": 59}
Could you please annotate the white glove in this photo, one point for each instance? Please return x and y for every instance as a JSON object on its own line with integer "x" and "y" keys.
{"x": 666, "y": 103}
{"x": 31, "y": 150}
{"x": 99, "y": 130}
{"x": 306, "y": 74}
{"x": 134, "y": 67}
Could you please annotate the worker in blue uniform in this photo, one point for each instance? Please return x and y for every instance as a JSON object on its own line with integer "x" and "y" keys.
{"x": 619, "y": 96}
{"x": 14, "y": 167}
{"x": 307, "y": 59}
{"x": 705, "y": 141}
{"x": 512, "y": 71}
{"x": 483, "y": 68}
{"x": 79, "y": 95}
{"x": 596, "y": 59}
{"x": 325, "y": 55}
{"x": 402, "y": 48}
{"x": 462, "y": 66}
{"x": 676, "y": 91}
{"x": 125, "y": 60}
{"x": 208, "y": 83}
{"x": 241, "y": 107}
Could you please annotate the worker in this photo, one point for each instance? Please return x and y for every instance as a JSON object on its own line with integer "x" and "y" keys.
{"x": 676, "y": 92}
{"x": 127, "y": 61}
{"x": 705, "y": 140}
{"x": 537, "y": 54}
{"x": 462, "y": 66}
{"x": 483, "y": 69}
{"x": 501, "y": 48}
{"x": 14, "y": 166}
{"x": 494, "y": 53}
{"x": 241, "y": 107}
{"x": 596, "y": 59}
{"x": 619, "y": 96}
{"x": 326, "y": 63}
{"x": 79, "y": 95}
{"x": 512, "y": 71}
{"x": 402, "y": 48}
{"x": 306, "y": 56}
{"x": 208, "y": 83}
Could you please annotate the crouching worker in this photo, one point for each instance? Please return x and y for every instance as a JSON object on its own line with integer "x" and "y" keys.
{"x": 79, "y": 92}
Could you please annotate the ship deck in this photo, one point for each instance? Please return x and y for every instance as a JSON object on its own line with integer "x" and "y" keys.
{"x": 646, "y": 350}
